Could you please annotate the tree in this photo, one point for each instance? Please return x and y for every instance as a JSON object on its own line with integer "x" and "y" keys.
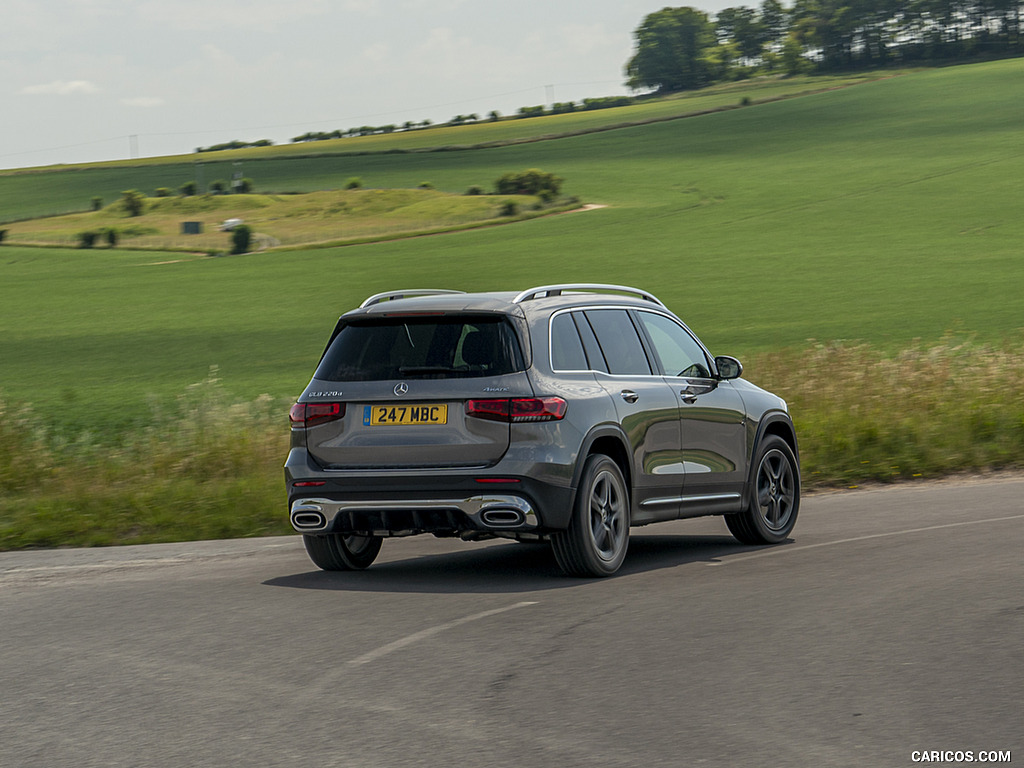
{"x": 671, "y": 50}
{"x": 188, "y": 189}
{"x": 774, "y": 21}
{"x": 532, "y": 181}
{"x": 241, "y": 236}
{"x": 741, "y": 27}
{"x": 133, "y": 201}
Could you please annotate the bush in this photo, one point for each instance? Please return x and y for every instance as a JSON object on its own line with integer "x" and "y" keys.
{"x": 87, "y": 239}
{"x": 219, "y": 187}
{"x": 425, "y": 185}
{"x": 163, "y": 192}
{"x": 509, "y": 208}
{"x": 3, "y": 234}
{"x": 243, "y": 186}
{"x": 532, "y": 181}
{"x": 354, "y": 183}
{"x": 111, "y": 235}
{"x": 188, "y": 189}
{"x": 475, "y": 190}
{"x": 133, "y": 201}
{"x": 241, "y": 236}
{"x": 97, "y": 203}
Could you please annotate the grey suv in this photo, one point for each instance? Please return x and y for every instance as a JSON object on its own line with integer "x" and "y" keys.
{"x": 565, "y": 413}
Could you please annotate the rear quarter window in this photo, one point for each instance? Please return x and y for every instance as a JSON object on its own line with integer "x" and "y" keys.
{"x": 388, "y": 348}
{"x": 566, "y": 348}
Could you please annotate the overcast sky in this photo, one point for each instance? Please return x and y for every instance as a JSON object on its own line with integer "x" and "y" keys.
{"x": 85, "y": 80}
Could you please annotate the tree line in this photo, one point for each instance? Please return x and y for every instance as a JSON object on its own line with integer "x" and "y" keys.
{"x": 684, "y": 48}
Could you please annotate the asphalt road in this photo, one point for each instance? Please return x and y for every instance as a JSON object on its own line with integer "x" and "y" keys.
{"x": 892, "y": 623}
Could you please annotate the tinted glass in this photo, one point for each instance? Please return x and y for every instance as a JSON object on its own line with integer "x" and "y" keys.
{"x": 382, "y": 349}
{"x": 679, "y": 352}
{"x": 594, "y": 355}
{"x": 566, "y": 347}
{"x": 619, "y": 341}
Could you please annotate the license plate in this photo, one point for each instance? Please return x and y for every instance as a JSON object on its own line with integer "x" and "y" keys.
{"x": 404, "y": 415}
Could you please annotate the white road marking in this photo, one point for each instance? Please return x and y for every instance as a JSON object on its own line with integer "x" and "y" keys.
{"x": 384, "y": 650}
{"x": 783, "y": 550}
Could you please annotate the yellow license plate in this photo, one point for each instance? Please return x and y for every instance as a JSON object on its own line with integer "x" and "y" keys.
{"x": 404, "y": 415}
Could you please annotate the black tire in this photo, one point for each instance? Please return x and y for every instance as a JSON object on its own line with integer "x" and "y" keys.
{"x": 774, "y": 496}
{"x": 596, "y": 540}
{"x": 342, "y": 552}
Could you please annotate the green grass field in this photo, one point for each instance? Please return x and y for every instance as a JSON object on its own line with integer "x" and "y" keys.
{"x": 887, "y": 214}
{"x": 881, "y": 213}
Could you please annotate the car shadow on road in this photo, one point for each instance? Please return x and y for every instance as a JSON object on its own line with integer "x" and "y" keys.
{"x": 509, "y": 568}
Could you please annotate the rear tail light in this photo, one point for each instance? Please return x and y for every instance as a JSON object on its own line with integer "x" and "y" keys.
{"x": 520, "y": 409}
{"x": 310, "y": 414}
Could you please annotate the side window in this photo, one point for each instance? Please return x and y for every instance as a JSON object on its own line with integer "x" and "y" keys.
{"x": 678, "y": 351}
{"x": 566, "y": 348}
{"x": 619, "y": 341}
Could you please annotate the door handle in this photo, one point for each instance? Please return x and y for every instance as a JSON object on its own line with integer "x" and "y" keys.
{"x": 629, "y": 395}
{"x": 688, "y": 395}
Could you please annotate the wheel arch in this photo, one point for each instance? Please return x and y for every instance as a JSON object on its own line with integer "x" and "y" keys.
{"x": 774, "y": 424}
{"x": 612, "y": 442}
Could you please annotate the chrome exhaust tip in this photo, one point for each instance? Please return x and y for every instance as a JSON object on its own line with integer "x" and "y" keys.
{"x": 503, "y": 518}
{"x": 308, "y": 518}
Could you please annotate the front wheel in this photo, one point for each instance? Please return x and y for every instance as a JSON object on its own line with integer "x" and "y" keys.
{"x": 595, "y": 542}
{"x": 774, "y": 496}
{"x": 342, "y": 552}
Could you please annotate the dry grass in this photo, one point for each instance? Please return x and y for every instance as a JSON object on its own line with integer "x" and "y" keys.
{"x": 207, "y": 467}
{"x": 317, "y": 217}
{"x": 926, "y": 411}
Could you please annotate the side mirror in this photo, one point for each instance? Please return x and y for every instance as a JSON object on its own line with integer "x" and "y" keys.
{"x": 728, "y": 367}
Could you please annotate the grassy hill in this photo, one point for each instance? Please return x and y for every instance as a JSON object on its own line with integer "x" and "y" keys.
{"x": 882, "y": 213}
{"x": 886, "y": 214}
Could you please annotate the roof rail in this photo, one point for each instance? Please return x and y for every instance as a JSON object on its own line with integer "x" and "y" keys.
{"x": 391, "y": 295}
{"x": 557, "y": 290}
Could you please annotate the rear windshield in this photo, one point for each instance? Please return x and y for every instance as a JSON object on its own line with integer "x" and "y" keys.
{"x": 382, "y": 349}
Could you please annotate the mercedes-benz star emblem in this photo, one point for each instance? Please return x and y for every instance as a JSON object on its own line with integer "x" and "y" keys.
{"x": 401, "y": 389}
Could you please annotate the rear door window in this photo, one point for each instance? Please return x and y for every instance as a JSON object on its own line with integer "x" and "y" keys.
{"x": 383, "y": 349}
{"x": 620, "y": 343}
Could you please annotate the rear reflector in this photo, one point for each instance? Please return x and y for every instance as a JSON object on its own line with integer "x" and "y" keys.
{"x": 309, "y": 483}
{"x": 310, "y": 414}
{"x": 518, "y": 409}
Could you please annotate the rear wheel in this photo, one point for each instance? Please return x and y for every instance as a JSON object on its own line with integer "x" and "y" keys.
{"x": 342, "y": 552}
{"x": 598, "y": 534}
{"x": 774, "y": 498}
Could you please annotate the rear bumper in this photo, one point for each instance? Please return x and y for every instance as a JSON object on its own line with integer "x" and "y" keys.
{"x": 501, "y": 500}
{"x": 388, "y": 517}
